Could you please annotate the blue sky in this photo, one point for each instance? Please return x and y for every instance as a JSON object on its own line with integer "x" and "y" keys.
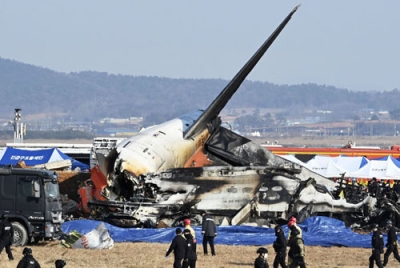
{"x": 348, "y": 44}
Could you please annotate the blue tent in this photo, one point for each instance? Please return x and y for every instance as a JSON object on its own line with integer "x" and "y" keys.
{"x": 11, "y": 156}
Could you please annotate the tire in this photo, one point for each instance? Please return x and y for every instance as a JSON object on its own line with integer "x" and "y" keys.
{"x": 20, "y": 235}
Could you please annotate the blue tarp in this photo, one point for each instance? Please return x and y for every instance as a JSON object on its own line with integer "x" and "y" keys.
{"x": 12, "y": 156}
{"x": 317, "y": 231}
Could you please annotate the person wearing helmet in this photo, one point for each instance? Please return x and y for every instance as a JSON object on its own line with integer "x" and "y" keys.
{"x": 392, "y": 243}
{"x": 293, "y": 222}
{"x": 28, "y": 261}
{"x": 60, "y": 263}
{"x": 296, "y": 249}
{"x": 190, "y": 252}
{"x": 186, "y": 225}
{"x": 6, "y": 236}
{"x": 377, "y": 247}
{"x": 261, "y": 261}
{"x": 280, "y": 245}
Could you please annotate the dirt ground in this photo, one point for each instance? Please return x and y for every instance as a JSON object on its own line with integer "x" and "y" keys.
{"x": 153, "y": 255}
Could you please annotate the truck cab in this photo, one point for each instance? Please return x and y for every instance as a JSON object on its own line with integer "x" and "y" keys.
{"x": 31, "y": 200}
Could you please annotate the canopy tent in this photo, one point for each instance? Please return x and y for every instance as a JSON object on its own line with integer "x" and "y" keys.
{"x": 325, "y": 166}
{"x": 386, "y": 168}
{"x": 293, "y": 159}
{"x": 11, "y": 156}
{"x": 350, "y": 163}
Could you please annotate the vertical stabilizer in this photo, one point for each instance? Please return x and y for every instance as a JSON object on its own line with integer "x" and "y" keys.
{"x": 219, "y": 103}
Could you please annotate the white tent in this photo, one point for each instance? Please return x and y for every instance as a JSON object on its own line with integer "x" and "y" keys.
{"x": 349, "y": 163}
{"x": 385, "y": 168}
{"x": 293, "y": 158}
{"x": 325, "y": 166}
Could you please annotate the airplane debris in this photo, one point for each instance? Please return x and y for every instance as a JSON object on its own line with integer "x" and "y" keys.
{"x": 175, "y": 170}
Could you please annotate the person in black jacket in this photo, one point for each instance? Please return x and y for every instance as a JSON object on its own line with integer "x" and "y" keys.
{"x": 280, "y": 245}
{"x": 392, "y": 243}
{"x": 6, "y": 236}
{"x": 373, "y": 188}
{"x": 178, "y": 245}
{"x": 261, "y": 261}
{"x": 377, "y": 247}
{"x": 190, "y": 252}
{"x": 209, "y": 232}
{"x": 28, "y": 261}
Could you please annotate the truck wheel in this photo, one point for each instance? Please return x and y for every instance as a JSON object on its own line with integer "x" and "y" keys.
{"x": 20, "y": 234}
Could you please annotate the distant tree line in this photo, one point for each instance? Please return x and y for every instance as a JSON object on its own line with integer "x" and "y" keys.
{"x": 89, "y": 96}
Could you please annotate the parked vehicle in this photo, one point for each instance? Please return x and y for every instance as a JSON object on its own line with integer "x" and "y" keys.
{"x": 31, "y": 199}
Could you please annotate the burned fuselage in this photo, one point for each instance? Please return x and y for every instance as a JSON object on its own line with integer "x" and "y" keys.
{"x": 232, "y": 192}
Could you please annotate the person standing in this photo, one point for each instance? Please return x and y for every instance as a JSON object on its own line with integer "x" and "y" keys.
{"x": 392, "y": 243}
{"x": 209, "y": 232}
{"x": 297, "y": 250}
{"x": 280, "y": 245}
{"x": 261, "y": 261}
{"x": 6, "y": 236}
{"x": 190, "y": 252}
{"x": 28, "y": 260}
{"x": 377, "y": 247}
{"x": 178, "y": 246}
{"x": 292, "y": 224}
{"x": 186, "y": 223}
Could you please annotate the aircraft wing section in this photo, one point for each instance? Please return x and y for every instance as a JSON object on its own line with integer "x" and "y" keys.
{"x": 219, "y": 103}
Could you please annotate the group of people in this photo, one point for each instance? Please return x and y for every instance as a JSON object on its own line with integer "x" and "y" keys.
{"x": 295, "y": 243}
{"x": 6, "y": 239}
{"x": 28, "y": 261}
{"x": 378, "y": 245}
{"x": 184, "y": 246}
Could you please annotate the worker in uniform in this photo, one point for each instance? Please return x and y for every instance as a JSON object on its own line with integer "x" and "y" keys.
{"x": 293, "y": 222}
{"x": 261, "y": 261}
{"x": 6, "y": 236}
{"x": 28, "y": 261}
{"x": 377, "y": 247}
{"x": 178, "y": 246}
{"x": 296, "y": 249}
{"x": 209, "y": 232}
{"x": 392, "y": 243}
{"x": 280, "y": 245}
{"x": 190, "y": 252}
{"x": 186, "y": 223}
{"x": 373, "y": 188}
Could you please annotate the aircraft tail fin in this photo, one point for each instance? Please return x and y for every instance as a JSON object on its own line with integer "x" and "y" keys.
{"x": 219, "y": 103}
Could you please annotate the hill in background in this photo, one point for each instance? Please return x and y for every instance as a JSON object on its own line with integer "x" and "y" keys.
{"x": 89, "y": 96}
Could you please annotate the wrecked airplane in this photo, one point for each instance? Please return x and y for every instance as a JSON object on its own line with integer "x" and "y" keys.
{"x": 174, "y": 170}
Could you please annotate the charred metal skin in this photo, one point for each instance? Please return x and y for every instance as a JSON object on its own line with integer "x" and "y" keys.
{"x": 276, "y": 191}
